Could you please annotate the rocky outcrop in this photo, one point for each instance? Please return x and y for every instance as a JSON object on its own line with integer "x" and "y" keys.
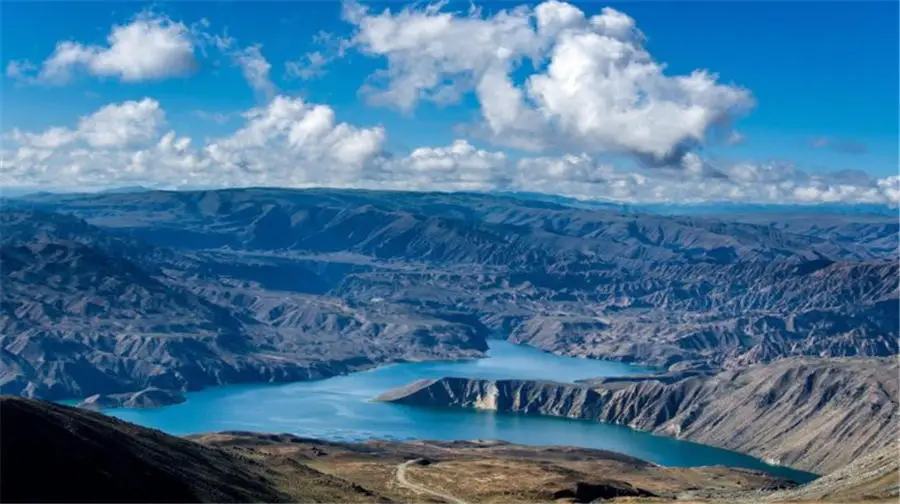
{"x": 591, "y": 492}
{"x": 813, "y": 414}
{"x": 147, "y": 398}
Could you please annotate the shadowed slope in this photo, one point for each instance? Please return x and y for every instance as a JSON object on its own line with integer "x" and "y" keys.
{"x": 53, "y": 453}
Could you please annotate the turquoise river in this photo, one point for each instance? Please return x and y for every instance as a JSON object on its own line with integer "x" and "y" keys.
{"x": 341, "y": 409}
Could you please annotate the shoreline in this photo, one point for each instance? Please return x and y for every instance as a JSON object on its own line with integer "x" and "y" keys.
{"x": 290, "y": 408}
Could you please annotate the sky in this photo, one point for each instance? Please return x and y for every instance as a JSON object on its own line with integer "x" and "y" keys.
{"x": 679, "y": 102}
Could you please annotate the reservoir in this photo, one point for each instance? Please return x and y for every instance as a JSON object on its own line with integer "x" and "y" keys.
{"x": 341, "y": 409}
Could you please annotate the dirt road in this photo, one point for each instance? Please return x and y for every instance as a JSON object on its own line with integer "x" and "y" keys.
{"x": 402, "y": 481}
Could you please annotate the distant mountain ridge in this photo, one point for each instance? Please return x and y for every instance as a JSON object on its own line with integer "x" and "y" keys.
{"x": 278, "y": 284}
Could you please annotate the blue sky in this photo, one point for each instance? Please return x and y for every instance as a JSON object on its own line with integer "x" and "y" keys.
{"x": 823, "y": 78}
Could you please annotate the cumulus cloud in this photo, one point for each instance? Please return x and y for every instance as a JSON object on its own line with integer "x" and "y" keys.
{"x": 150, "y": 47}
{"x": 113, "y": 126}
{"x": 292, "y": 143}
{"x": 457, "y": 167}
{"x": 595, "y": 87}
{"x": 773, "y": 182}
{"x": 287, "y": 142}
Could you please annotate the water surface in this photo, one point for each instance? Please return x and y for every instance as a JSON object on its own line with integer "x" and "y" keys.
{"x": 341, "y": 409}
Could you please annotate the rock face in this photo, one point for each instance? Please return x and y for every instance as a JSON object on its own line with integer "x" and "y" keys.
{"x": 813, "y": 414}
{"x": 147, "y": 398}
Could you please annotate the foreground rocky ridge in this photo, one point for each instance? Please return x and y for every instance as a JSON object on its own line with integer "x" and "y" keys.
{"x": 87, "y": 457}
{"x": 808, "y": 413}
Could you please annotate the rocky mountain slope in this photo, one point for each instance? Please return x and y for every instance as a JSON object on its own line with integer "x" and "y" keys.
{"x": 86, "y": 457}
{"x": 810, "y": 413}
{"x": 85, "y": 311}
{"x": 870, "y": 478}
{"x": 662, "y": 290}
{"x": 732, "y": 316}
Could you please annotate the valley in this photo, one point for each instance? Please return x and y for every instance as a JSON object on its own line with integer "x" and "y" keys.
{"x": 345, "y": 409}
{"x": 135, "y": 464}
{"x": 772, "y": 336}
{"x": 273, "y": 284}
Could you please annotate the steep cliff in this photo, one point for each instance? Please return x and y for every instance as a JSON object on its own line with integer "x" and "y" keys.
{"x": 809, "y": 413}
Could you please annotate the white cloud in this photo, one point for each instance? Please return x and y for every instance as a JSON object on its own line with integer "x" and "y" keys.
{"x": 113, "y": 126}
{"x": 291, "y": 143}
{"x": 310, "y": 66}
{"x": 313, "y": 63}
{"x": 19, "y": 70}
{"x": 428, "y": 50}
{"x": 128, "y": 124}
{"x": 150, "y": 47}
{"x": 599, "y": 91}
{"x": 255, "y": 68}
{"x": 457, "y": 167}
{"x": 287, "y": 142}
{"x": 773, "y": 182}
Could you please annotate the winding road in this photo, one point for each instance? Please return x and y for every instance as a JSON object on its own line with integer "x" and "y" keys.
{"x": 402, "y": 481}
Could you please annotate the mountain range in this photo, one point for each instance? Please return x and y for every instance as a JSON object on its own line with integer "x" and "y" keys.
{"x": 790, "y": 319}
{"x": 116, "y": 292}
